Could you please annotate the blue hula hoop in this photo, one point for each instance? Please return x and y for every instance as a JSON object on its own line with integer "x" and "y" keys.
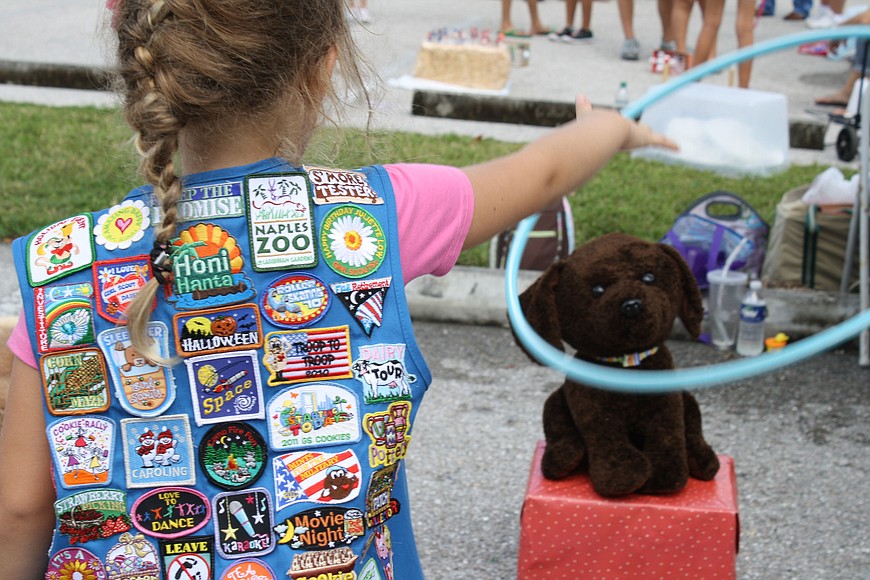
{"x": 661, "y": 381}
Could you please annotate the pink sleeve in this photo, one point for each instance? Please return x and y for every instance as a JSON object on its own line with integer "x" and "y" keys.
{"x": 19, "y": 342}
{"x": 434, "y": 204}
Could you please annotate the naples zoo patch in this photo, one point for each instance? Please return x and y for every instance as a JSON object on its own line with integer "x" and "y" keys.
{"x": 59, "y": 249}
{"x": 64, "y": 316}
{"x": 83, "y": 450}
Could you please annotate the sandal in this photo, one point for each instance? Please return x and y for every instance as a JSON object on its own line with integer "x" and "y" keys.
{"x": 516, "y": 33}
{"x": 831, "y": 102}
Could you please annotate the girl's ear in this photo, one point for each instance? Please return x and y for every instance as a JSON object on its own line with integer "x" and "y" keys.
{"x": 330, "y": 60}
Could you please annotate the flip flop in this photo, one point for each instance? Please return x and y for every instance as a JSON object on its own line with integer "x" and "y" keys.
{"x": 829, "y": 102}
{"x": 516, "y": 33}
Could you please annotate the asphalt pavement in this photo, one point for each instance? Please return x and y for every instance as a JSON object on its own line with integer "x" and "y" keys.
{"x": 800, "y": 436}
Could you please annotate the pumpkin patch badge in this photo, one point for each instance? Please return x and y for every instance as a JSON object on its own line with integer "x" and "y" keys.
{"x": 225, "y": 387}
{"x": 218, "y": 330}
{"x": 171, "y": 512}
{"x": 118, "y": 282}
{"x": 64, "y": 316}
{"x": 142, "y": 387}
{"x": 352, "y": 241}
{"x": 207, "y": 269}
{"x": 158, "y": 452}
{"x": 296, "y": 300}
{"x": 280, "y": 221}
{"x": 82, "y": 449}
{"x": 75, "y": 382}
{"x": 92, "y": 515}
{"x": 364, "y": 299}
{"x": 60, "y": 249}
{"x": 315, "y": 476}
{"x": 132, "y": 558}
{"x": 243, "y": 523}
{"x": 122, "y": 225}
{"x": 232, "y": 455}
{"x": 311, "y": 354}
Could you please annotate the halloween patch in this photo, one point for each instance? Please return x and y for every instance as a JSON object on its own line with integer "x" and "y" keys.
{"x": 313, "y": 416}
{"x": 352, "y": 241}
{"x": 225, "y": 387}
{"x": 364, "y": 299}
{"x": 142, "y": 387}
{"x": 380, "y": 505}
{"x": 381, "y": 370}
{"x": 158, "y": 452}
{"x": 321, "y": 528}
{"x": 64, "y": 316}
{"x": 60, "y": 249}
{"x": 280, "y": 221}
{"x": 388, "y": 433}
{"x": 207, "y": 269}
{"x": 218, "y": 330}
{"x": 243, "y": 523}
{"x": 188, "y": 558}
{"x": 118, "y": 282}
{"x": 92, "y": 515}
{"x": 132, "y": 558}
{"x": 334, "y": 563}
{"x": 295, "y": 356}
{"x": 82, "y": 449}
{"x": 340, "y": 186}
{"x": 249, "y": 569}
{"x": 122, "y": 225}
{"x": 296, "y": 300}
{"x": 232, "y": 455}
{"x": 171, "y": 512}
{"x": 314, "y": 476}
{"x": 209, "y": 202}
{"x": 74, "y": 563}
{"x": 75, "y": 382}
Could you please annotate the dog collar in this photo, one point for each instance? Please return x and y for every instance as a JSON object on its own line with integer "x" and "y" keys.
{"x": 630, "y": 360}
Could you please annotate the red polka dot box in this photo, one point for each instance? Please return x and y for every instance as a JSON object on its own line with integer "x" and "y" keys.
{"x": 569, "y": 531}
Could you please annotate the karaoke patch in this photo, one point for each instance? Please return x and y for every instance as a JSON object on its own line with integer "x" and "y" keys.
{"x": 243, "y": 523}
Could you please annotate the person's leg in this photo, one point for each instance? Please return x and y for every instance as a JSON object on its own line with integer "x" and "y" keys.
{"x": 680, "y": 15}
{"x": 586, "y": 15}
{"x": 537, "y": 27}
{"x": 706, "y": 44}
{"x": 626, "y": 17}
{"x": 802, "y": 7}
{"x": 744, "y": 27}
{"x": 506, "y": 23}
{"x": 665, "y": 9}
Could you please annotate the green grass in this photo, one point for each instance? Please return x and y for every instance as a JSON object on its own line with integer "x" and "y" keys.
{"x": 58, "y": 161}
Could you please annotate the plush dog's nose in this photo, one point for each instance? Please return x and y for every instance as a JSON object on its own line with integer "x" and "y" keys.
{"x": 631, "y": 308}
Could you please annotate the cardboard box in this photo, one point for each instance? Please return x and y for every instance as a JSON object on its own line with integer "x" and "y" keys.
{"x": 569, "y": 531}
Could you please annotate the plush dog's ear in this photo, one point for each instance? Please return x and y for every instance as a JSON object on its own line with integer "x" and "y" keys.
{"x": 691, "y": 306}
{"x": 539, "y": 305}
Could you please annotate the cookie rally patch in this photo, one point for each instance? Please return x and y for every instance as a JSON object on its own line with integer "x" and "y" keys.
{"x": 243, "y": 523}
{"x": 232, "y": 455}
{"x": 75, "y": 382}
{"x": 158, "y": 451}
{"x": 218, "y": 330}
{"x": 225, "y": 387}
{"x": 280, "y": 221}
{"x": 64, "y": 316}
{"x": 59, "y": 249}
{"x": 118, "y": 282}
{"x": 352, "y": 241}
{"x": 83, "y": 450}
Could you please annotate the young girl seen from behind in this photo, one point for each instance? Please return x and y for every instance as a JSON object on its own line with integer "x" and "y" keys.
{"x": 223, "y": 376}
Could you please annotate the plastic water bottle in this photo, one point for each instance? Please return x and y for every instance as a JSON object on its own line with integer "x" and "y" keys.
{"x": 750, "y": 331}
{"x": 621, "y": 98}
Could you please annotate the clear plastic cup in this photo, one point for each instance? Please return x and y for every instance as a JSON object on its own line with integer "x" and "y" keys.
{"x": 726, "y": 291}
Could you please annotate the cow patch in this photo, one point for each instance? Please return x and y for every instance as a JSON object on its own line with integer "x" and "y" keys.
{"x": 381, "y": 370}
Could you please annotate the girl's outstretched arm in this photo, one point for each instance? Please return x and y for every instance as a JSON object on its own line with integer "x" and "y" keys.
{"x": 26, "y": 492}
{"x": 513, "y": 187}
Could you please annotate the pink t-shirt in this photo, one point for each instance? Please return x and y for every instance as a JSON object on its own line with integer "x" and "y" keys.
{"x": 434, "y": 204}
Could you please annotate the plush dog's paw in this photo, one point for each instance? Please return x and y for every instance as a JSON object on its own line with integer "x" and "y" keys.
{"x": 562, "y": 458}
{"x": 665, "y": 482}
{"x": 704, "y": 465}
{"x": 621, "y": 474}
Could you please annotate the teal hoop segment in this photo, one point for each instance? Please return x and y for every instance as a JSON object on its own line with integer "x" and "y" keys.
{"x": 616, "y": 379}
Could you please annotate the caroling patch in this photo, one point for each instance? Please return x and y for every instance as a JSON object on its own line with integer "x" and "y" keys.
{"x": 352, "y": 241}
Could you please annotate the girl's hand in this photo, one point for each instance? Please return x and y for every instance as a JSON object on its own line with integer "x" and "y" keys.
{"x": 641, "y": 135}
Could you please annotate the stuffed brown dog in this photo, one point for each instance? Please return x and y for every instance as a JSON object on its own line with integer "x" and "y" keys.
{"x": 615, "y": 300}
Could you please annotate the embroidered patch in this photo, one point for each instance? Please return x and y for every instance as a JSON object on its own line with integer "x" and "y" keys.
{"x": 252, "y": 569}
{"x": 296, "y": 300}
{"x": 83, "y": 450}
{"x": 313, "y": 416}
{"x": 132, "y": 558}
{"x": 122, "y": 225}
{"x": 171, "y": 512}
{"x": 158, "y": 460}
{"x": 294, "y": 356}
{"x": 381, "y": 370}
{"x": 321, "y": 528}
{"x": 334, "y": 563}
{"x": 208, "y": 202}
{"x": 60, "y": 249}
{"x": 388, "y": 433}
{"x": 75, "y": 382}
{"x": 118, "y": 282}
{"x": 64, "y": 316}
{"x": 225, "y": 387}
{"x": 370, "y": 571}
{"x": 92, "y": 515}
{"x": 72, "y": 563}
{"x": 306, "y": 475}
{"x": 189, "y": 558}
{"x": 280, "y": 221}
{"x": 207, "y": 269}
{"x": 232, "y": 455}
{"x": 352, "y": 241}
{"x": 380, "y": 505}
{"x": 339, "y": 186}
{"x": 142, "y": 387}
{"x": 364, "y": 299}
{"x": 243, "y": 523}
{"x": 218, "y": 330}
